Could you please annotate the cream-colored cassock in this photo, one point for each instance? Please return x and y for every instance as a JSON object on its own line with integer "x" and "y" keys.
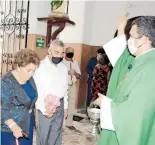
{"x": 72, "y": 90}
{"x": 51, "y": 79}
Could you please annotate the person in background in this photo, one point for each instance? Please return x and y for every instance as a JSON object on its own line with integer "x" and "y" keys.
{"x": 51, "y": 79}
{"x": 18, "y": 97}
{"x": 101, "y": 75}
{"x": 74, "y": 74}
{"x": 89, "y": 69}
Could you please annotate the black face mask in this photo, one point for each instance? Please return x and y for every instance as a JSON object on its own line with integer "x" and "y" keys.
{"x": 70, "y": 55}
{"x": 56, "y": 60}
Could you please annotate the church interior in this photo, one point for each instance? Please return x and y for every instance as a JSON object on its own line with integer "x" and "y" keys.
{"x": 84, "y": 25}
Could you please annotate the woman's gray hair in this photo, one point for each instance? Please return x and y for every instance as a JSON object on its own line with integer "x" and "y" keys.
{"x": 55, "y": 43}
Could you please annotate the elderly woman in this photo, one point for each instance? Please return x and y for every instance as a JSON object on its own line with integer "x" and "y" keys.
{"x": 18, "y": 99}
{"x": 101, "y": 75}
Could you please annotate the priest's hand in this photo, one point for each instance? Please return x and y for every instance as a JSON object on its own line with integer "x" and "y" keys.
{"x": 99, "y": 99}
{"x": 65, "y": 113}
{"x": 121, "y": 25}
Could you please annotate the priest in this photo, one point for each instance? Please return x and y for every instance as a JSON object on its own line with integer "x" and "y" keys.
{"x": 128, "y": 110}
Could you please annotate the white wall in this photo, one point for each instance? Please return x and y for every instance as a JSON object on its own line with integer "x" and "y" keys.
{"x": 106, "y": 14}
{"x": 88, "y": 23}
{"x": 38, "y": 9}
{"x": 74, "y": 34}
{"x": 104, "y": 19}
{"x": 95, "y": 20}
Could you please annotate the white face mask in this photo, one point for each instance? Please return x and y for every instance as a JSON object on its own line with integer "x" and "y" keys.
{"x": 131, "y": 46}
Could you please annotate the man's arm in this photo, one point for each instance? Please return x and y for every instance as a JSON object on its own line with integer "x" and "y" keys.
{"x": 78, "y": 76}
{"x": 66, "y": 105}
{"x": 66, "y": 97}
{"x": 39, "y": 104}
{"x": 77, "y": 70}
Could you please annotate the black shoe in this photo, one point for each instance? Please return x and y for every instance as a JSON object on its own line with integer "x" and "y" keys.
{"x": 73, "y": 129}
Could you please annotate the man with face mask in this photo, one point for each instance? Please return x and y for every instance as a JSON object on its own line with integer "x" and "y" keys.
{"x": 51, "y": 79}
{"x": 74, "y": 73}
{"x": 128, "y": 110}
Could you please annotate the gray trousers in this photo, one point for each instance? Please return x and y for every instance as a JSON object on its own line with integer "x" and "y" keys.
{"x": 71, "y": 104}
{"x": 49, "y": 131}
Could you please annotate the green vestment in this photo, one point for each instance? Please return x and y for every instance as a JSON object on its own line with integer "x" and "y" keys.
{"x": 133, "y": 106}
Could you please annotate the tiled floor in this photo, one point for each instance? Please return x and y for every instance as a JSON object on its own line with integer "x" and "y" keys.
{"x": 70, "y": 138}
{"x": 74, "y": 138}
